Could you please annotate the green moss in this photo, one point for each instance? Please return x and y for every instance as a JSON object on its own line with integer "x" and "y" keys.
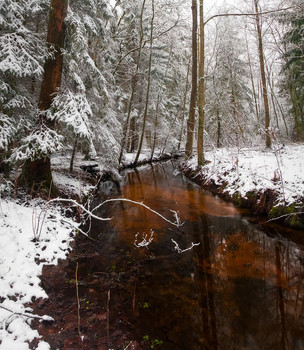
{"x": 250, "y": 194}
{"x": 288, "y": 214}
{"x": 237, "y": 199}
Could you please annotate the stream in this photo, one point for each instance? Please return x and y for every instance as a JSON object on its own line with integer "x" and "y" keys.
{"x": 241, "y": 285}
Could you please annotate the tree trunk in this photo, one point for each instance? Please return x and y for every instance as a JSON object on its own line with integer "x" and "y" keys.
{"x": 37, "y": 173}
{"x": 191, "y": 118}
{"x": 134, "y": 85}
{"x": 252, "y": 80}
{"x": 148, "y": 88}
{"x": 184, "y": 105}
{"x": 201, "y": 90}
{"x": 263, "y": 76}
{"x": 73, "y": 155}
{"x": 159, "y": 95}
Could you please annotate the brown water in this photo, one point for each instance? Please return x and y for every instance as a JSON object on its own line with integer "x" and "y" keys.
{"x": 241, "y": 288}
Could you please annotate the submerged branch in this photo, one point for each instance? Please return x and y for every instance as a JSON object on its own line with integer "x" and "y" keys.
{"x": 179, "y": 250}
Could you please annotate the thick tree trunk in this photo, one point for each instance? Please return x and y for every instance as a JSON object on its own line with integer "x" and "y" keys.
{"x": 263, "y": 76}
{"x": 191, "y": 118}
{"x": 201, "y": 90}
{"x": 37, "y": 173}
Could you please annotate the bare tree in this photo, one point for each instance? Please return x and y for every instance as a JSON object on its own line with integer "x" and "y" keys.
{"x": 148, "y": 87}
{"x": 263, "y": 74}
{"x": 192, "y": 108}
{"x": 201, "y": 90}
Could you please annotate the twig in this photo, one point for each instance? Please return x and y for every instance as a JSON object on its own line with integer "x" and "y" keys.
{"x": 134, "y": 296}
{"x": 108, "y": 315}
{"x": 77, "y": 293}
{"x": 179, "y": 250}
{"x": 44, "y": 318}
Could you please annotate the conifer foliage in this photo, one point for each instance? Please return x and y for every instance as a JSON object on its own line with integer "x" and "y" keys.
{"x": 293, "y": 69}
{"x": 110, "y": 77}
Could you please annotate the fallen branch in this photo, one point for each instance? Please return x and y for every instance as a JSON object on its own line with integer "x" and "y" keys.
{"x": 41, "y": 318}
{"x": 177, "y": 223}
{"x": 90, "y": 213}
{"x": 285, "y": 216}
{"x": 179, "y": 250}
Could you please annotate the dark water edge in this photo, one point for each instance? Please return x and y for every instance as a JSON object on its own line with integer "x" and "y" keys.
{"x": 240, "y": 288}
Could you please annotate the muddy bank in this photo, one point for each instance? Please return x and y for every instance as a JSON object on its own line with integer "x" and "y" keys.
{"x": 258, "y": 202}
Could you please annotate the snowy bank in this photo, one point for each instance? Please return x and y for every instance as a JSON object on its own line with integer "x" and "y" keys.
{"x": 31, "y": 235}
{"x": 267, "y": 181}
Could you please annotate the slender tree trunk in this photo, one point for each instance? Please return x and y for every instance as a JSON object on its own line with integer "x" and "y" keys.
{"x": 218, "y": 131}
{"x": 252, "y": 79}
{"x": 160, "y": 92}
{"x": 38, "y": 172}
{"x": 191, "y": 118}
{"x": 184, "y": 106}
{"x": 134, "y": 84}
{"x": 201, "y": 90}
{"x": 148, "y": 88}
{"x": 263, "y": 76}
{"x": 73, "y": 154}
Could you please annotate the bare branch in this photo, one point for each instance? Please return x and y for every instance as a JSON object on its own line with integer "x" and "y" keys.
{"x": 179, "y": 250}
{"x": 43, "y": 318}
{"x": 80, "y": 206}
{"x": 247, "y": 14}
{"x": 177, "y": 223}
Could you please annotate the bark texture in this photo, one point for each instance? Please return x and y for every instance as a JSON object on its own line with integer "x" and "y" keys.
{"x": 201, "y": 90}
{"x": 37, "y": 173}
{"x": 263, "y": 75}
{"x": 193, "y": 98}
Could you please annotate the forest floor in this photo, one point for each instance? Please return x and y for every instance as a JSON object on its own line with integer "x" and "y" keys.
{"x": 36, "y": 235}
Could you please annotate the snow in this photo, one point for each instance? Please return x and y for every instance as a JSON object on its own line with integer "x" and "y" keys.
{"x": 244, "y": 170}
{"x": 21, "y": 264}
{"x": 22, "y": 257}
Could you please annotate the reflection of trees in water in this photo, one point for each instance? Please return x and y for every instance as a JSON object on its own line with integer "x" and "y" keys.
{"x": 247, "y": 290}
{"x": 259, "y": 290}
{"x": 204, "y": 257}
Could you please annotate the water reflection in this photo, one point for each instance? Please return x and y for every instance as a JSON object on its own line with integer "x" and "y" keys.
{"x": 241, "y": 288}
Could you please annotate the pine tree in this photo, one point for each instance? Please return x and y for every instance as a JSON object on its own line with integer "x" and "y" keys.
{"x": 228, "y": 97}
{"x": 293, "y": 69}
{"x": 22, "y": 53}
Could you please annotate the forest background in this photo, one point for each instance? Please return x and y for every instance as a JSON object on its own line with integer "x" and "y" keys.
{"x": 106, "y": 78}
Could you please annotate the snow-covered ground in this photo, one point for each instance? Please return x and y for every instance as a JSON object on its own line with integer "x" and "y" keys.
{"x": 31, "y": 235}
{"x": 22, "y": 256}
{"x": 243, "y": 170}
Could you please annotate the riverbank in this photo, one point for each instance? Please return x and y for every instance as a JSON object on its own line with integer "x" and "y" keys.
{"x": 268, "y": 182}
{"x": 35, "y": 235}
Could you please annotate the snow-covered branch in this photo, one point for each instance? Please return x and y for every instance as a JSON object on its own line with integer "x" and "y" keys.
{"x": 179, "y": 250}
{"x": 177, "y": 222}
{"x": 90, "y": 213}
{"x": 145, "y": 241}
